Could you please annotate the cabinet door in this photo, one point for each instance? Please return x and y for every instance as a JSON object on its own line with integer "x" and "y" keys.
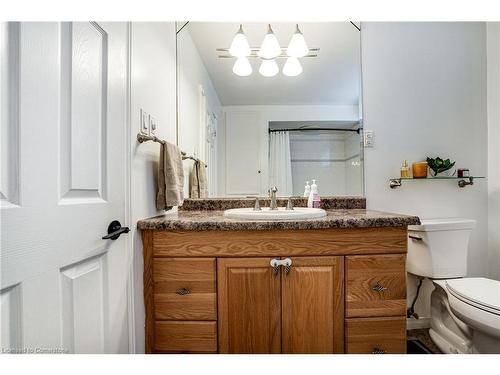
{"x": 313, "y": 305}
{"x": 249, "y": 306}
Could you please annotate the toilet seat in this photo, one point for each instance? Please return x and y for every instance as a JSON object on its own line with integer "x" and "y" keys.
{"x": 479, "y": 292}
{"x": 480, "y": 311}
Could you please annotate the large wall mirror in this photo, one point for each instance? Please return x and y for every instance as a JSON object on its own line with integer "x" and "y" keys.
{"x": 261, "y": 108}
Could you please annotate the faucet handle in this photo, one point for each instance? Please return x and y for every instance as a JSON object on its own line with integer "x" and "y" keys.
{"x": 257, "y": 205}
{"x": 274, "y": 189}
{"x": 289, "y": 204}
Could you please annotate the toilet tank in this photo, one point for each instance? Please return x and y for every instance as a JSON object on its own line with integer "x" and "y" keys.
{"x": 438, "y": 248}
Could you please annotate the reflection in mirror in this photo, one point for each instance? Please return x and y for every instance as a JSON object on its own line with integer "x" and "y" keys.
{"x": 270, "y": 105}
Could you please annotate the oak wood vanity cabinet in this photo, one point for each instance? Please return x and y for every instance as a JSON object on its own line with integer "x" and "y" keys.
{"x": 216, "y": 291}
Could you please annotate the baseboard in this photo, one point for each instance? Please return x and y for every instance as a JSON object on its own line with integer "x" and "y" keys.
{"x": 422, "y": 323}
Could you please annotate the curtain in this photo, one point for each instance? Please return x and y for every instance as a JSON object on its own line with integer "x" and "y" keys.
{"x": 280, "y": 163}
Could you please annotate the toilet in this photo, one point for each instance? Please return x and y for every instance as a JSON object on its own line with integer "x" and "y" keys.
{"x": 465, "y": 312}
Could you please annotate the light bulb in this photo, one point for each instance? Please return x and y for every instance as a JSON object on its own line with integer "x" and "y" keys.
{"x": 270, "y": 47}
{"x": 269, "y": 68}
{"x": 239, "y": 46}
{"x": 242, "y": 67}
{"x": 297, "y": 46}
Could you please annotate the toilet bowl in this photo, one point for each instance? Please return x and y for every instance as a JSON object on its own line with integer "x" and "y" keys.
{"x": 464, "y": 322}
{"x": 465, "y": 312}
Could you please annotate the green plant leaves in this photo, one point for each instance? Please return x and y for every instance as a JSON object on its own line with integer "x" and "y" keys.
{"x": 439, "y": 165}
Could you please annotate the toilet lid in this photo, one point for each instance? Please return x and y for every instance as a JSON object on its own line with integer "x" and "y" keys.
{"x": 430, "y": 225}
{"x": 479, "y": 290}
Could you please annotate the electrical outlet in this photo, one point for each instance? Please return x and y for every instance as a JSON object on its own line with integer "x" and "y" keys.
{"x": 368, "y": 138}
{"x": 152, "y": 125}
{"x": 144, "y": 122}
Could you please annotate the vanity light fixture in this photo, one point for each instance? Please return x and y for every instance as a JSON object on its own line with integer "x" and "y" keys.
{"x": 270, "y": 47}
{"x": 242, "y": 67}
{"x": 292, "y": 67}
{"x": 297, "y": 46}
{"x": 269, "y": 68}
{"x": 239, "y": 45}
{"x": 268, "y": 54}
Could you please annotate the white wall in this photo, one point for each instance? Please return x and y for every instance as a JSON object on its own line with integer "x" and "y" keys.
{"x": 493, "y": 35}
{"x": 424, "y": 93}
{"x": 267, "y": 113}
{"x": 152, "y": 64}
{"x": 191, "y": 75}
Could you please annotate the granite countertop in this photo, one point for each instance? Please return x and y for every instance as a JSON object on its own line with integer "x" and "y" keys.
{"x": 221, "y": 204}
{"x": 200, "y": 220}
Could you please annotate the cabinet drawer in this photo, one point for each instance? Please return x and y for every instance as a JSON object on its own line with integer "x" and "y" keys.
{"x": 184, "y": 289}
{"x": 375, "y": 285}
{"x": 376, "y": 335}
{"x": 186, "y": 337}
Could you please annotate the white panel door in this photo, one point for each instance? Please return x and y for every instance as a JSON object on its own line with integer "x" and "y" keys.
{"x": 63, "y": 136}
{"x": 243, "y": 175}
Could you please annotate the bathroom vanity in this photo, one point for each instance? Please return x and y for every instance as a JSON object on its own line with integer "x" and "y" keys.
{"x": 329, "y": 285}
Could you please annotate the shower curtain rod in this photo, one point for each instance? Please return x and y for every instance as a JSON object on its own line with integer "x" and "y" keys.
{"x": 308, "y": 129}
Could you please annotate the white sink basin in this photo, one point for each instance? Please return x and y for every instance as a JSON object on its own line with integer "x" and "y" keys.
{"x": 281, "y": 213}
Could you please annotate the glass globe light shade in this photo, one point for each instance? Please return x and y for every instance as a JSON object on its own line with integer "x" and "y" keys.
{"x": 242, "y": 67}
{"x": 292, "y": 67}
{"x": 270, "y": 47}
{"x": 297, "y": 46}
{"x": 269, "y": 68}
{"x": 239, "y": 46}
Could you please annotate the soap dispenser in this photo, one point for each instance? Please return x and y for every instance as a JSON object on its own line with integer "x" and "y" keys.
{"x": 314, "y": 199}
{"x": 307, "y": 190}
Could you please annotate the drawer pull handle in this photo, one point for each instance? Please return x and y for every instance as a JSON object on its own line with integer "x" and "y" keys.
{"x": 378, "y": 288}
{"x": 415, "y": 238}
{"x": 182, "y": 291}
{"x": 378, "y": 351}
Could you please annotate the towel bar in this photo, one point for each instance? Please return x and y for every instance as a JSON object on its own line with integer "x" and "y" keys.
{"x": 141, "y": 138}
{"x": 144, "y": 138}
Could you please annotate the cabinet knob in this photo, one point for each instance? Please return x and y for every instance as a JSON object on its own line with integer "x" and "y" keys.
{"x": 378, "y": 351}
{"x": 277, "y": 263}
{"x": 378, "y": 288}
{"x": 182, "y": 291}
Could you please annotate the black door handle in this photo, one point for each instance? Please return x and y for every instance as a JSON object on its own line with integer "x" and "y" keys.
{"x": 115, "y": 229}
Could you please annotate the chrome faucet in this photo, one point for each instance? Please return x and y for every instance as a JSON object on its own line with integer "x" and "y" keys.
{"x": 272, "y": 194}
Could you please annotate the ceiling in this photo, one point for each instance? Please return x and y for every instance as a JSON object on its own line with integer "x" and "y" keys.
{"x": 332, "y": 78}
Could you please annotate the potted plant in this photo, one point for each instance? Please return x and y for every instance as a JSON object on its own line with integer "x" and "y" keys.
{"x": 438, "y": 165}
